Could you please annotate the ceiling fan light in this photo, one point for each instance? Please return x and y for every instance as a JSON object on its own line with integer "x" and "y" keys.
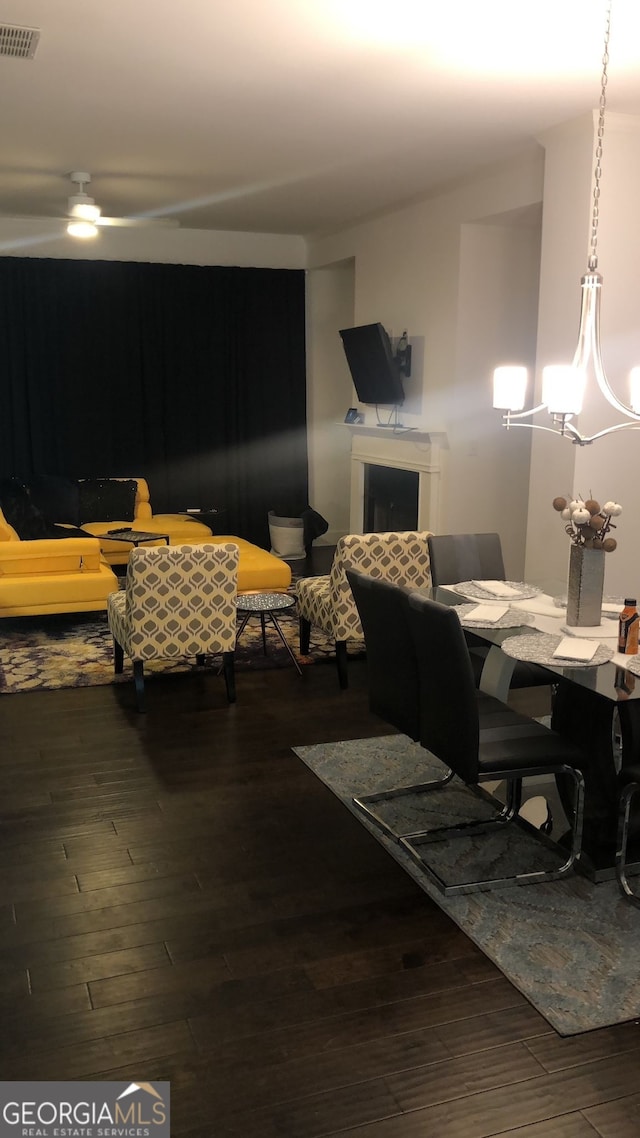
{"x": 82, "y": 229}
{"x": 83, "y": 207}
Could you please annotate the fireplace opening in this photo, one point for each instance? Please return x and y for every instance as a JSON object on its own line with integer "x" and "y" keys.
{"x": 390, "y": 498}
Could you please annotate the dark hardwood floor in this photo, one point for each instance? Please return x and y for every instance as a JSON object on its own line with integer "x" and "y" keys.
{"x": 181, "y": 899}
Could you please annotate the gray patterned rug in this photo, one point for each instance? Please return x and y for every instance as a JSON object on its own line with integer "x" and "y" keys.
{"x": 46, "y": 652}
{"x": 570, "y": 947}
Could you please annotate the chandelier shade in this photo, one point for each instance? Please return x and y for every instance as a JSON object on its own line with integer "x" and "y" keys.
{"x": 563, "y": 389}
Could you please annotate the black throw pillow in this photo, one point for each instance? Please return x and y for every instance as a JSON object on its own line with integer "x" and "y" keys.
{"x": 107, "y": 499}
{"x": 20, "y": 511}
{"x": 57, "y": 497}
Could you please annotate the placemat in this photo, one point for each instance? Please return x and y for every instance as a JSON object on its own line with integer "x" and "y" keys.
{"x": 476, "y": 593}
{"x": 538, "y": 648}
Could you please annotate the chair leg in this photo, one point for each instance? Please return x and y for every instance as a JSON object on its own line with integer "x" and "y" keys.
{"x": 623, "y": 838}
{"x": 138, "y": 679}
{"x": 341, "y": 661}
{"x": 228, "y": 667}
{"x": 305, "y": 635}
{"x": 412, "y": 842}
{"x": 118, "y": 657}
{"x": 201, "y": 660}
{"x": 367, "y": 802}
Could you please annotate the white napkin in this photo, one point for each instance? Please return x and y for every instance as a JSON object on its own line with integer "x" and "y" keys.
{"x": 489, "y": 614}
{"x": 498, "y": 588}
{"x": 570, "y": 648}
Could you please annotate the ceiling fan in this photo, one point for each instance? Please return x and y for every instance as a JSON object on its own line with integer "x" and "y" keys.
{"x": 84, "y": 216}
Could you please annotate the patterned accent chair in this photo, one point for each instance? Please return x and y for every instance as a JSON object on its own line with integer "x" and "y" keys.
{"x": 402, "y": 558}
{"x": 178, "y": 600}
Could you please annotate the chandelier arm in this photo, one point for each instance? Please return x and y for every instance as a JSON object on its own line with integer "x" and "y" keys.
{"x": 539, "y": 427}
{"x": 525, "y": 414}
{"x": 571, "y": 434}
{"x": 610, "y": 430}
{"x": 598, "y": 366}
{"x": 568, "y": 431}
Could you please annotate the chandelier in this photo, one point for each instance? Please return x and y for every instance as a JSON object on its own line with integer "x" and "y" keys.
{"x": 563, "y": 385}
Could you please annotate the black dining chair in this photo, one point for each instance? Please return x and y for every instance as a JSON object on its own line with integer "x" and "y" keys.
{"x": 459, "y": 557}
{"x": 392, "y": 668}
{"x": 455, "y": 729}
{"x": 456, "y": 557}
{"x": 629, "y": 779}
{"x": 476, "y": 737}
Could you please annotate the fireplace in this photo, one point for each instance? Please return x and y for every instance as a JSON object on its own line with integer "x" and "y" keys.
{"x": 390, "y": 498}
{"x": 377, "y": 456}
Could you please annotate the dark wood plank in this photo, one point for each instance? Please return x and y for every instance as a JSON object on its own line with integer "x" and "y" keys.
{"x": 618, "y": 1118}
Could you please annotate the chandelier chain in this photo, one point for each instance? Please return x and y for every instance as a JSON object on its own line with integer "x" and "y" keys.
{"x": 595, "y": 216}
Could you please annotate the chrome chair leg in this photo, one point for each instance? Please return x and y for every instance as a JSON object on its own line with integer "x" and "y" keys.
{"x": 366, "y": 802}
{"x": 626, "y": 798}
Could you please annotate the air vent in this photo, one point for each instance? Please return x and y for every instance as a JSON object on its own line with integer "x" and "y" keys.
{"x": 19, "y": 43}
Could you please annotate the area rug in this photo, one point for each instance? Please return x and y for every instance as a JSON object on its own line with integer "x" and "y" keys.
{"x": 570, "y": 947}
{"x": 66, "y": 651}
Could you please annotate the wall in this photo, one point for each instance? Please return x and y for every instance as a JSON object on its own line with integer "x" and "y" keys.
{"x": 497, "y": 322}
{"x": 431, "y": 268}
{"x": 330, "y": 305}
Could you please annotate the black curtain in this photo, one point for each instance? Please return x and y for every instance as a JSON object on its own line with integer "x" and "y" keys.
{"x": 191, "y": 377}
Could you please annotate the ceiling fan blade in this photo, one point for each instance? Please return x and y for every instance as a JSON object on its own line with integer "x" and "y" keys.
{"x": 139, "y": 222}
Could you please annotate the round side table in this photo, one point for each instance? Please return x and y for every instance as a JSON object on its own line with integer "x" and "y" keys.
{"x": 266, "y": 605}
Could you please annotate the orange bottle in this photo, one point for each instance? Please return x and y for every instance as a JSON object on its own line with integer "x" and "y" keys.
{"x": 628, "y": 628}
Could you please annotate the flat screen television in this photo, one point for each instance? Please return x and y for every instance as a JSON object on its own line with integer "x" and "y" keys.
{"x": 375, "y": 373}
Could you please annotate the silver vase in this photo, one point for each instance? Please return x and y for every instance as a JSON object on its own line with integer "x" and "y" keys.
{"x": 585, "y": 588}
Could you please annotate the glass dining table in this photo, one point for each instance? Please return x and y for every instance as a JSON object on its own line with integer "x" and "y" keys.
{"x": 595, "y": 704}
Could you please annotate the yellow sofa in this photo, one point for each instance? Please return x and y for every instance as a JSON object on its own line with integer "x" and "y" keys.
{"x": 258, "y": 570}
{"x": 75, "y": 574}
{"x": 50, "y": 576}
{"x": 179, "y": 527}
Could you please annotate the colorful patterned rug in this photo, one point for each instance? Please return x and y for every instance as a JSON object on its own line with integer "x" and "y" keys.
{"x": 569, "y": 946}
{"x": 46, "y": 652}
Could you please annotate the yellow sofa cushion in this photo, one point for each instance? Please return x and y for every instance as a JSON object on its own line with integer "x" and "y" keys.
{"x": 56, "y": 592}
{"x": 258, "y": 570}
{"x": 46, "y": 556}
{"x": 51, "y": 576}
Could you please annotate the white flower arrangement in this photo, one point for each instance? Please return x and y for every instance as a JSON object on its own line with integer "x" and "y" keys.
{"x": 588, "y": 523}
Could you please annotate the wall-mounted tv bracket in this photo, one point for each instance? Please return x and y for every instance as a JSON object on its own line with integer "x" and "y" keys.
{"x": 403, "y": 355}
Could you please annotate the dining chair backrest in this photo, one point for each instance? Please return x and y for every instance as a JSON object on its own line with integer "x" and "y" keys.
{"x": 458, "y": 557}
{"x": 449, "y": 720}
{"x": 392, "y": 670}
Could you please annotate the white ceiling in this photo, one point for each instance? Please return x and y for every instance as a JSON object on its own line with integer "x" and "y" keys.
{"x": 291, "y": 116}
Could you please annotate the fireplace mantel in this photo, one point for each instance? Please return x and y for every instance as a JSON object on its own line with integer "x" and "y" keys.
{"x": 405, "y": 433}
{"x": 407, "y": 450}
